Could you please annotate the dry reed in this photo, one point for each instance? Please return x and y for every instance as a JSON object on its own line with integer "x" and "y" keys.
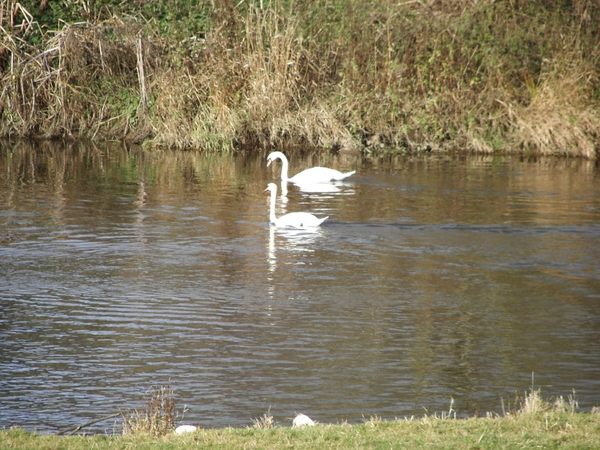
{"x": 158, "y": 416}
{"x": 264, "y": 422}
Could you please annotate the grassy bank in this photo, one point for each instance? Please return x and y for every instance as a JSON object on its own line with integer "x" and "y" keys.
{"x": 397, "y": 76}
{"x": 540, "y": 430}
{"x": 579, "y": 431}
{"x": 536, "y": 423}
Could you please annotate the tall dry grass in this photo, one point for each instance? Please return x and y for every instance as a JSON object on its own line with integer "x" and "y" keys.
{"x": 412, "y": 75}
{"x": 80, "y": 81}
{"x": 157, "y": 418}
{"x": 560, "y": 118}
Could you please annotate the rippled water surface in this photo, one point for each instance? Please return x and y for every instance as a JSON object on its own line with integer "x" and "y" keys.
{"x": 434, "y": 278}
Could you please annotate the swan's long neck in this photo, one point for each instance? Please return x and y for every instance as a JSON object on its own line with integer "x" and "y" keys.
{"x": 272, "y": 217}
{"x": 284, "y": 168}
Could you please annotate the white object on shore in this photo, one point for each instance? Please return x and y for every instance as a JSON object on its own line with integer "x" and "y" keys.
{"x": 185, "y": 429}
{"x": 302, "y": 421}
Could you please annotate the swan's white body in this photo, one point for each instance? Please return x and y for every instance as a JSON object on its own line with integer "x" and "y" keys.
{"x": 291, "y": 220}
{"x": 308, "y": 176}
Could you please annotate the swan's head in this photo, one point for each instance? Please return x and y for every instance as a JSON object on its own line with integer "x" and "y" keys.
{"x": 274, "y": 156}
{"x": 271, "y": 187}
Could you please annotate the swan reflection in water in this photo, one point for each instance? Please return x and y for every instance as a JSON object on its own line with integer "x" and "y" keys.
{"x": 319, "y": 188}
{"x": 292, "y": 240}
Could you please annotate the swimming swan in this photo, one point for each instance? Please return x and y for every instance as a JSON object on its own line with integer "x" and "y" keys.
{"x": 291, "y": 220}
{"x": 312, "y": 175}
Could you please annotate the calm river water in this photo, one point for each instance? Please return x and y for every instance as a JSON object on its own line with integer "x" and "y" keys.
{"x": 435, "y": 279}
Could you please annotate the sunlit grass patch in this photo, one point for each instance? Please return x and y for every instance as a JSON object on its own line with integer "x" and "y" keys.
{"x": 533, "y": 423}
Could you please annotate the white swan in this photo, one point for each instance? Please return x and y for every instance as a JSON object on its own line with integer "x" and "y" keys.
{"x": 291, "y": 220}
{"x": 312, "y": 175}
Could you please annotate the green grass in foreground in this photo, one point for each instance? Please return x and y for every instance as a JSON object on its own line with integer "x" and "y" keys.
{"x": 554, "y": 429}
{"x": 532, "y": 423}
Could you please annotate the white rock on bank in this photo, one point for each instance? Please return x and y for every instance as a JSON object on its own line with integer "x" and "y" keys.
{"x": 185, "y": 429}
{"x": 302, "y": 421}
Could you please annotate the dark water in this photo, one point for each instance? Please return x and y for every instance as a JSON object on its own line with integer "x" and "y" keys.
{"x": 435, "y": 278}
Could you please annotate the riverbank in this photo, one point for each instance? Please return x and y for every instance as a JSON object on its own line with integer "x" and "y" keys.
{"x": 531, "y": 422}
{"x": 411, "y": 76}
{"x": 540, "y": 430}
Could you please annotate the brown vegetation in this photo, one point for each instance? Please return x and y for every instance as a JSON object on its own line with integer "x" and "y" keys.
{"x": 413, "y": 75}
{"x": 157, "y": 418}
